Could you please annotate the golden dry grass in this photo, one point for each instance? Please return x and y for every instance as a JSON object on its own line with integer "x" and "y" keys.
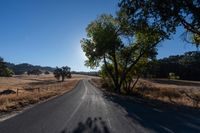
{"x": 49, "y": 87}
{"x": 180, "y": 93}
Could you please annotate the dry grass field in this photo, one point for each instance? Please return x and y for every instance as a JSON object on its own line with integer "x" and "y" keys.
{"x": 177, "y": 92}
{"x": 32, "y": 89}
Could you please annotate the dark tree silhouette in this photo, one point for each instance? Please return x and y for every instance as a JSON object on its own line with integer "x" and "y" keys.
{"x": 186, "y": 66}
{"x": 46, "y": 72}
{"x": 164, "y": 14}
{"x": 34, "y": 72}
{"x": 4, "y": 70}
{"x": 62, "y": 73}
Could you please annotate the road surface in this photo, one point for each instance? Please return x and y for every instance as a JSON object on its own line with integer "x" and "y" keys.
{"x": 87, "y": 110}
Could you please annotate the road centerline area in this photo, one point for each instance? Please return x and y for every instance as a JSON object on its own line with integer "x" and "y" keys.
{"x": 86, "y": 109}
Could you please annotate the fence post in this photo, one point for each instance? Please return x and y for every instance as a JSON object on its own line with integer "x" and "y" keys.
{"x": 17, "y": 91}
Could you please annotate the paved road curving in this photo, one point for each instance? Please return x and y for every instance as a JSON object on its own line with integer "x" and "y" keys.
{"x": 87, "y": 110}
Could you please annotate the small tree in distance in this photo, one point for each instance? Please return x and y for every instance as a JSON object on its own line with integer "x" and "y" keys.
{"x": 62, "y": 73}
{"x": 34, "y": 72}
{"x": 4, "y": 70}
{"x": 46, "y": 72}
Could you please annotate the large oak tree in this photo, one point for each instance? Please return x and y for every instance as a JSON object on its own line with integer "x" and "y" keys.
{"x": 110, "y": 42}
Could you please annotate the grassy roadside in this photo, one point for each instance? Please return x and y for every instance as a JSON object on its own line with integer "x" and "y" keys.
{"x": 181, "y": 95}
{"x": 14, "y": 102}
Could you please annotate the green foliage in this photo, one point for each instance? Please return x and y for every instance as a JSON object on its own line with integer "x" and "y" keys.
{"x": 4, "y": 70}
{"x": 7, "y": 73}
{"x": 196, "y": 39}
{"x": 111, "y": 44}
{"x": 165, "y": 15}
{"x": 186, "y": 66}
{"x": 63, "y": 72}
{"x": 107, "y": 80}
{"x": 102, "y": 39}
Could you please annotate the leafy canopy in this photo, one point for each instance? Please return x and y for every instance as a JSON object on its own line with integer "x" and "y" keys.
{"x": 63, "y": 72}
{"x": 166, "y": 15}
{"x": 112, "y": 44}
{"x": 102, "y": 39}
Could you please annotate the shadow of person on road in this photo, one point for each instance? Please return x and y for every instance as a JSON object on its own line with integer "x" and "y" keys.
{"x": 95, "y": 125}
{"x": 158, "y": 116}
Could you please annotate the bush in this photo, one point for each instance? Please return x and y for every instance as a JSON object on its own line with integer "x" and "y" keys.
{"x": 34, "y": 72}
{"x": 46, "y": 72}
{"x": 6, "y": 72}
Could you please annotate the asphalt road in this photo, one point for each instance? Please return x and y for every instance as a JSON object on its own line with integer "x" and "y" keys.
{"x": 87, "y": 110}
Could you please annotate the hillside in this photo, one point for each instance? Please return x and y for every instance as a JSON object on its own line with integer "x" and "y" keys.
{"x": 24, "y": 67}
{"x": 185, "y": 67}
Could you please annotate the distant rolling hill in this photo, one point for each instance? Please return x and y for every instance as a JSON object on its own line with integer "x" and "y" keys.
{"x": 24, "y": 67}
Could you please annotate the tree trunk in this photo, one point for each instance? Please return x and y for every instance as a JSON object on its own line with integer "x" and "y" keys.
{"x": 116, "y": 84}
{"x": 118, "y": 88}
{"x": 116, "y": 73}
{"x": 135, "y": 83}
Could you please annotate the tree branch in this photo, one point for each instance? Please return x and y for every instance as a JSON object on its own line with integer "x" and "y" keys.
{"x": 189, "y": 26}
{"x": 107, "y": 69}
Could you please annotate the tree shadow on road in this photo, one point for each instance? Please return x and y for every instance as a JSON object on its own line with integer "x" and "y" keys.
{"x": 95, "y": 125}
{"x": 158, "y": 116}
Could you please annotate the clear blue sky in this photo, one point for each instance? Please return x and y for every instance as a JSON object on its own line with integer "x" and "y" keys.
{"x": 48, "y": 32}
